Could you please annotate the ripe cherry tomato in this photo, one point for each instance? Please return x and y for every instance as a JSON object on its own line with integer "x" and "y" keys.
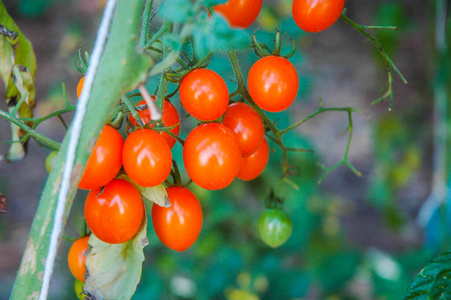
{"x": 80, "y": 86}
{"x": 76, "y": 258}
{"x": 146, "y": 157}
{"x": 115, "y": 213}
{"x": 316, "y": 15}
{"x": 275, "y": 227}
{"x": 105, "y": 160}
{"x": 239, "y": 13}
{"x": 247, "y": 125}
{"x": 178, "y": 226}
{"x": 170, "y": 118}
{"x": 212, "y": 156}
{"x": 273, "y": 83}
{"x": 253, "y": 165}
{"x": 204, "y": 94}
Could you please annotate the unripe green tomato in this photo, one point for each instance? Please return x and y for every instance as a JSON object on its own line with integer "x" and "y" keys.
{"x": 275, "y": 227}
{"x": 49, "y": 161}
{"x": 78, "y": 287}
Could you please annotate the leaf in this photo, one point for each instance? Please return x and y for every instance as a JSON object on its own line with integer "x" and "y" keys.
{"x": 156, "y": 194}
{"x": 176, "y": 11}
{"x": 113, "y": 271}
{"x": 215, "y": 34}
{"x": 17, "y": 70}
{"x": 435, "y": 275}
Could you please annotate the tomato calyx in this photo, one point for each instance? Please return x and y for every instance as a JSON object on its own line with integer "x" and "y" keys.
{"x": 272, "y": 201}
{"x": 177, "y": 76}
{"x": 262, "y": 50}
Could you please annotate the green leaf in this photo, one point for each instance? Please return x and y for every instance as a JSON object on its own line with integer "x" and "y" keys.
{"x": 156, "y": 194}
{"x": 17, "y": 70}
{"x": 214, "y": 34}
{"x": 113, "y": 271}
{"x": 433, "y": 281}
{"x": 176, "y": 11}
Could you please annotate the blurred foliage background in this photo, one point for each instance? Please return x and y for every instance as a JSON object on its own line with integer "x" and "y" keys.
{"x": 353, "y": 237}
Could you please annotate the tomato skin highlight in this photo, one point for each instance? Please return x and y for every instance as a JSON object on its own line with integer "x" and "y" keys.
{"x": 179, "y": 225}
{"x": 239, "y": 13}
{"x": 211, "y": 156}
{"x": 76, "y": 258}
{"x": 248, "y": 126}
{"x": 273, "y": 83}
{"x": 204, "y": 94}
{"x": 115, "y": 214}
{"x": 105, "y": 160}
{"x": 146, "y": 157}
{"x": 275, "y": 227}
{"x": 252, "y": 166}
{"x": 316, "y": 15}
{"x": 80, "y": 86}
{"x": 170, "y": 118}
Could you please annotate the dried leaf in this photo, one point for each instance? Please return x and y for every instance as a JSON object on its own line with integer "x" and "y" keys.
{"x": 3, "y": 207}
{"x": 113, "y": 270}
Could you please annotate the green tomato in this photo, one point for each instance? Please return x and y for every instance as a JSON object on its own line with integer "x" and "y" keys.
{"x": 78, "y": 287}
{"x": 275, "y": 227}
{"x": 49, "y": 161}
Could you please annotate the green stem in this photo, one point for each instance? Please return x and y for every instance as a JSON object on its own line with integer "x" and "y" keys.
{"x": 38, "y": 136}
{"x": 146, "y": 22}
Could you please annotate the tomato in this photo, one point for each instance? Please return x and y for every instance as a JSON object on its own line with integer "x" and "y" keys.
{"x": 204, "y": 94}
{"x": 247, "y": 125}
{"x": 275, "y": 227}
{"x": 105, "y": 160}
{"x": 146, "y": 157}
{"x": 316, "y": 15}
{"x": 76, "y": 258}
{"x": 50, "y": 160}
{"x": 253, "y": 165}
{"x": 273, "y": 83}
{"x": 115, "y": 213}
{"x": 212, "y": 156}
{"x": 78, "y": 287}
{"x": 80, "y": 86}
{"x": 239, "y": 13}
{"x": 179, "y": 225}
{"x": 170, "y": 118}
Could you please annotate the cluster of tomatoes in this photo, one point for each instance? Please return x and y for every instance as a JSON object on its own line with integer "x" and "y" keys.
{"x": 228, "y": 143}
{"x": 309, "y": 15}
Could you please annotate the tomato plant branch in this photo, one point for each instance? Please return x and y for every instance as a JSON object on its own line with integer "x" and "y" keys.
{"x": 38, "y": 136}
{"x": 345, "y": 160}
{"x": 389, "y": 63}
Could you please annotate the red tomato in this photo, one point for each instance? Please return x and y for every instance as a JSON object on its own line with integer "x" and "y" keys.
{"x": 204, "y": 94}
{"x": 211, "y": 156}
{"x": 170, "y": 118}
{"x": 178, "y": 226}
{"x": 316, "y": 15}
{"x": 239, "y": 13}
{"x": 247, "y": 125}
{"x": 146, "y": 157}
{"x": 253, "y": 165}
{"x": 105, "y": 160}
{"x": 115, "y": 213}
{"x": 80, "y": 86}
{"x": 273, "y": 83}
{"x": 76, "y": 258}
